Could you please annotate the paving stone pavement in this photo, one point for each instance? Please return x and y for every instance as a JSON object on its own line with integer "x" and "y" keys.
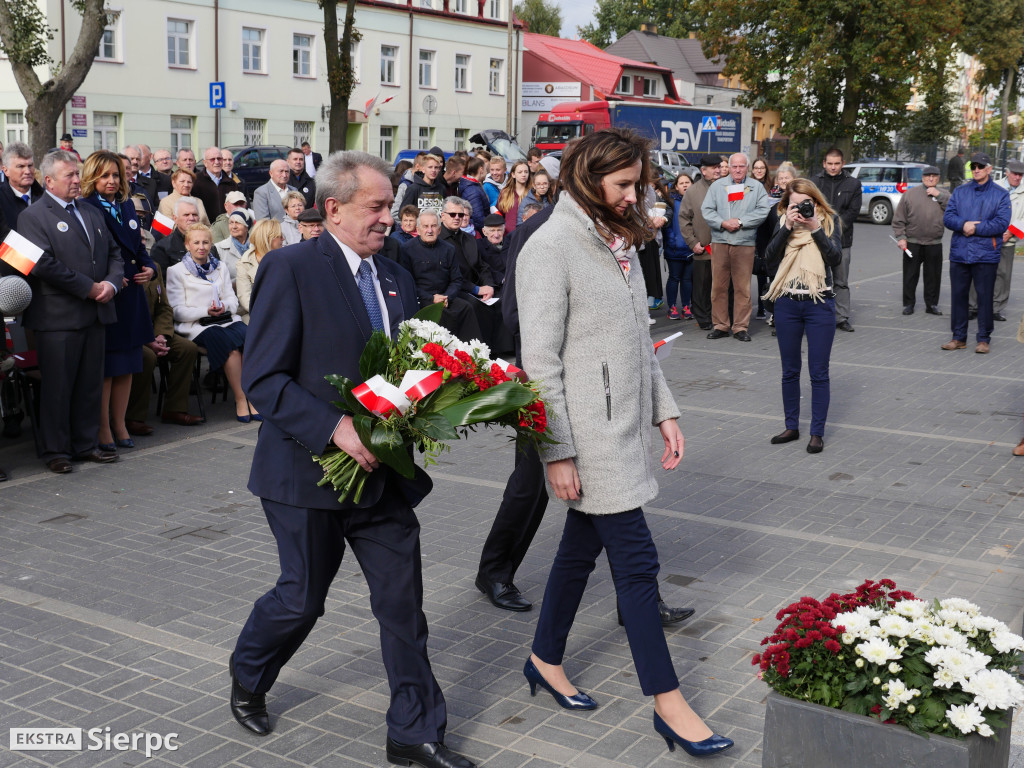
{"x": 123, "y": 588}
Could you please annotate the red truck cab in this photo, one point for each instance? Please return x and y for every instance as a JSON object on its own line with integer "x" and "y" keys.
{"x": 568, "y": 121}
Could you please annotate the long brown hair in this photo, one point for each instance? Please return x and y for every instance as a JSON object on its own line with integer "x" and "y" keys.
{"x": 588, "y": 160}
{"x": 94, "y": 166}
{"x": 507, "y": 196}
{"x": 809, "y": 188}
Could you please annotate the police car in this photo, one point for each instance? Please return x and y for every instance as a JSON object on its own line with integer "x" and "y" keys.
{"x": 882, "y": 184}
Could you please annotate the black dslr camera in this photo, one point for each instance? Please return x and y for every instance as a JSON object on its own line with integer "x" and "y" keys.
{"x": 806, "y": 209}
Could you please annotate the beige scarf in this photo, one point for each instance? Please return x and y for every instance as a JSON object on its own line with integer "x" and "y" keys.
{"x": 802, "y": 268}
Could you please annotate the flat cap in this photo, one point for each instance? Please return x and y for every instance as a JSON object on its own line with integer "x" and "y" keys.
{"x": 1015, "y": 166}
{"x": 980, "y": 158}
{"x": 494, "y": 220}
{"x": 930, "y": 170}
{"x": 235, "y": 197}
{"x": 310, "y": 216}
{"x": 709, "y": 160}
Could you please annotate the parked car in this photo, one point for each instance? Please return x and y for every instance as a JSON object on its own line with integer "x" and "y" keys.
{"x": 671, "y": 161}
{"x": 252, "y": 164}
{"x": 498, "y": 142}
{"x": 882, "y": 184}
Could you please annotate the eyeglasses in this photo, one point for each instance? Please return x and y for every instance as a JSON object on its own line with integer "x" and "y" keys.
{"x": 215, "y": 159}
{"x": 456, "y": 215}
{"x": 978, "y": 166}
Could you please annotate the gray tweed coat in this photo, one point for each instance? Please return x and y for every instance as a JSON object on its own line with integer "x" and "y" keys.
{"x": 587, "y": 341}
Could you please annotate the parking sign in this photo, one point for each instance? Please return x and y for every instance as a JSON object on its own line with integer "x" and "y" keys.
{"x": 217, "y": 98}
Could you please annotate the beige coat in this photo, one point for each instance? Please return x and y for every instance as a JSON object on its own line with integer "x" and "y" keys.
{"x": 245, "y": 276}
{"x": 167, "y": 207}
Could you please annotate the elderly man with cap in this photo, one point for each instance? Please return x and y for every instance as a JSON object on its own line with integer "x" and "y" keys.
{"x": 1001, "y": 291}
{"x": 311, "y": 224}
{"x": 232, "y": 202}
{"x": 978, "y": 212}
{"x": 917, "y": 226}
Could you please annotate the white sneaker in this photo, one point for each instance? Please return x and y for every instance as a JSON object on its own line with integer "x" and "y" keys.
{"x": 651, "y": 320}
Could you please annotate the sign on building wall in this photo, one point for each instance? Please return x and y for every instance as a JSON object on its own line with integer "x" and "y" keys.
{"x": 542, "y": 97}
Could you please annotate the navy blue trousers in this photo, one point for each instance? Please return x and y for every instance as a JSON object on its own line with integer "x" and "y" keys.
{"x": 960, "y": 278}
{"x": 634, "y": 565}
{"x": 817, "y": 321}
{"x": 680, "y": 279}
{"x": 310, "y": 543}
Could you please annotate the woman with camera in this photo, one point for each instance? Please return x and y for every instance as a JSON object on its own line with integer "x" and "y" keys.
{"x": 805, "y": 248}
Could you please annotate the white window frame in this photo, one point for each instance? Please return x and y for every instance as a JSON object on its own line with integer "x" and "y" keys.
{"x": 15, "y": 126}
{"x": 298, "y": 137}
{"x": 496, "y": 85}
{"x": 423, "y": 138}
{"x": 116, "y": 28}
{"x": 494, "y": 9}
{"x": 177, "y": 133}
{"x": 391, "y": 140}
{"x": 466, "y": 72}
{"x": 625, "y": 85}
{"x": 311, "y": 51}
{"x": 261, "y": 51}
{"x": 99, "y": 130}
{"x": 357, "y": 70}
{"x": 461, "y": 138}
{"x": 429, "y": 66}
{"x": 396, "y": 65}
{"x": 193, "y": 54}
{"x": 651, "y": 88}
{"x": 459, "y": 6}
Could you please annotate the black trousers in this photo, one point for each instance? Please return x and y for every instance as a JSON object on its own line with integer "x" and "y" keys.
{"x": 460, "y": 318}
{"x": 701, "y": 303}
{"x": 930, "y": 257}
{"x": 520, "y": 514}
{"x": 650, "y": 265}
{"x": 385, "y": 539}
{"x": 71, "y": 369}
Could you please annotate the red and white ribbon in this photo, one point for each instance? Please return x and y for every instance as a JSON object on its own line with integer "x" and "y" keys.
{"x": 381, "y": 398}
{"x": 418, "y": 384}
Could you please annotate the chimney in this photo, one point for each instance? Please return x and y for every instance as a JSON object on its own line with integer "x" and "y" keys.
{"x": 649, "y": 27}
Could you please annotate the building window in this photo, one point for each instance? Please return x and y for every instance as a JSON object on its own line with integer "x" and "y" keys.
{"x": 462, "y": 72}
{"x": 625, "y": 85}
{"x": 389, "y": 65}
{"x": 734, "y": 102}
{"x": 302, "y": 55}
{"x": 427, "y": 69}
{"x": 179, "y": 43}
{"x": 495, "y": 81}
{"x": 387, "y": 141}
{"x": 104, "y": 125}
{"x": 427, "y": 4}
{"x": 423, "y": 138}
{"x": 354, "y": 55}
{"x": 461, "y": 138}
{"x": 650, "y": 87}
{"x": 110, "y": 42}
{"x": 15, "y": 126}
{"x": 494, "y": 9}
{"x": 254, "y": 129}
{"x": 181, "y": 133}
{"x": 302, "y": 130}
{"x": 252, "y": 50}
{"x": 459, "y": 6}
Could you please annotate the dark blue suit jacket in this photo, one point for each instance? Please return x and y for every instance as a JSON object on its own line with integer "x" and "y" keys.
{"x": 307, "y": 320}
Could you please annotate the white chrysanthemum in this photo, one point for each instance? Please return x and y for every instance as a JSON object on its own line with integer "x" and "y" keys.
{"x": 989, "y": 624}
{"x": 911, "y": 609}
{"x": 895, "y": 626}
{"x": 956, "y": 619}
{"x": 849, "y": 639}
{"x": 949, "y": 637}
{"x": 924, "y": 631}
{"x": 856, "y": 624}
{"x": 479, "y": 349}
{"x": 894, "y": 668}
{"x": 1007, "y": 642}
{"x": 425, "y": 329}
{"x": 985, "y": 730}
{"x": 898, "y": 693}
{"x": 944, "y": 678}
{"x": 995, "y": 689}
{"x": 959, "y": 604}
{"x": 878, "y": 651}
{"x": 871, "y": 614}
{"x": 965, "y": 717}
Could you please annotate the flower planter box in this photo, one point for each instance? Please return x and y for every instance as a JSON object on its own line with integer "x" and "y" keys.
{"x": 798, "y": 734}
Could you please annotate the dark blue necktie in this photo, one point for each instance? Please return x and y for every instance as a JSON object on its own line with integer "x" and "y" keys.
{"x": 369, "y": 294}
{"x": 74, "y": 215}
{"x": 25, "y": 198}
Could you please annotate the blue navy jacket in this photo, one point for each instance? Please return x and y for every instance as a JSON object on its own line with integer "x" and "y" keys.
{"x": 307, "y": 320}
{"x": 988, "y": 204}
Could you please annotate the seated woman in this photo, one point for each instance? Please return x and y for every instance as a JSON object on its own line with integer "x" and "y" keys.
{"x": 199, "y": 292}
{"x": 294, "y": 204}
{"x": 264, "y": 238}
{"x": 234, "y": 246}
{"x": 182, "y": 181}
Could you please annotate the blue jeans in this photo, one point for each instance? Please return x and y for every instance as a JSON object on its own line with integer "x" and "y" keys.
{"x": 816, "y": 320}
{"x": 961, "y": 276}
{"x": 680, "y": 277}
{"x": 633, "y": 559}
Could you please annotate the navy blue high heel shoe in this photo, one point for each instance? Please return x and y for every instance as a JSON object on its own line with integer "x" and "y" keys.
{"x": 712, "y": 745}
{"x": 578, "y": 702}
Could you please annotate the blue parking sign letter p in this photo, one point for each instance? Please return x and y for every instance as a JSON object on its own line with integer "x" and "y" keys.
{"x": 217, "y": 96}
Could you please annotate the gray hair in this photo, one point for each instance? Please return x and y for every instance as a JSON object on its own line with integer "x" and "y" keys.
{"x": 746, "y": 160}
{"x": 428, "y": 212}
{"x": 52, "y": 158}
{"x": 16, "y": 149}
{"x": 185, "y": 201}
{"x": 455, "y": 200}
{"x": 186, "y": 149}
{"x": 338, "y": 175}
{"x": 787, "y": 167}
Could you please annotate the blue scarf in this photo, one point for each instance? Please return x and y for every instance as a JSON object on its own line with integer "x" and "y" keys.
{"x": 202, "y": 271}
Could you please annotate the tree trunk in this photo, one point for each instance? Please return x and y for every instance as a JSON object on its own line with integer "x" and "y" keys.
{"x": 340, "y": 78}
{"x": 1009, "y": 74}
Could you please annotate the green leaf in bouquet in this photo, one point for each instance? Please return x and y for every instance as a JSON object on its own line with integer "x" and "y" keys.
{"x": 448, "y": 394}
{"x": 374, "y": 360}
{"x": 489, "y": 405}
{"x": 387, "y": 445}
{"x": 364, "y": 427}
{"x": 430, "y": 313}
{"x": 434, "y": 425}
{"x": 340, "y": 383}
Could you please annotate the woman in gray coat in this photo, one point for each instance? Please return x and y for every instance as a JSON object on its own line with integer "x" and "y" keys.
{"x": 583, "y": 314}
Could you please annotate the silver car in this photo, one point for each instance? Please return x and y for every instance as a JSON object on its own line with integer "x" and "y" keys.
{"x": 882, "y": 184}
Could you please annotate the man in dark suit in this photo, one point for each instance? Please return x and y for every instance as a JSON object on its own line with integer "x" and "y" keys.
{"x": 150, "y": 178}
{"x": 299, "y": 178}
{"x": 212, "y": 185}
{"x": 21, "y": 188}
{"x": 77, "y": 275}
{"x": 314, "y": 305}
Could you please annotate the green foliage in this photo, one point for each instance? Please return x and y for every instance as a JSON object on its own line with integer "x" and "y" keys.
{"x": 489, "y": 404}
{"x": 939, "y": 119}
{"x": 614, "y": 18}
{"x": 24, "y": 41}
{"x": 431, "y": 313}
{"x": 541, "y": 16}
{"x": 990, "y": 134}
{"x": 374, "y": 360}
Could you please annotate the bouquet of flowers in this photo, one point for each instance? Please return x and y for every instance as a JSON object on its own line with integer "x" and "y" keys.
{"x": 421, "y": 389}
{"x": 934, "y": 667}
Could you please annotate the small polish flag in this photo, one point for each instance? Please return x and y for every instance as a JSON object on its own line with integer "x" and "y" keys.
{"x": 663, "y": 348}
{"x": 735, "y": 192}
{"x": 163, "y": 224}
{"x": 370, "y": 104}
{"x": 19, "y": 252}
{"x": 1017, "y": 229}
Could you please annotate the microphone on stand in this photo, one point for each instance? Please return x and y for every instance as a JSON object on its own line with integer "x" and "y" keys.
{"x": 15, "y": 295}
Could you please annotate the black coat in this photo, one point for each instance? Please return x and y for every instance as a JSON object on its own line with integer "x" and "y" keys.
{"x": 474, "y": 269}
{"x": 11, "y": 205}
{"x": 212, "y": 195}
{"x": 418, "y": 191}
{"x": 843, "y": 193}
{"x": 169, "y": 250}
{"x": 306, "y": 184}
{"x": 434, "y": 267}
{"x": 494, "y": 255}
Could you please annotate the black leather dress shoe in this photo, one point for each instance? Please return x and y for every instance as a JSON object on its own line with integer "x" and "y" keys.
{"x": 971, "y": 314}
{"x": 504, "y": 596}
{"x": 845, "y": 326}
{"x": 249, "y": 709}
{"x": 60, "y": 465}
{"x": 432, "y": 755}
{"x": 98, "y": 456}
{"x": 3, "y": 476}
{"x": 741, "y": 336}
{"x": 933, "y": 311}
{"x": 908, "y": 310}
{"x": 718, "y": 334}
{"x": 705, "y": 326}
{"x": 999, "y": 316}
{"x": 669, "y": 615}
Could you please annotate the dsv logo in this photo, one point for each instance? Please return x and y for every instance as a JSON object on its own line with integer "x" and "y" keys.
{"x": 680, "y": 135}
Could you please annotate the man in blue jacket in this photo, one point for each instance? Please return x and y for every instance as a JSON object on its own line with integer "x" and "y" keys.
{"x": 978, "y": 213}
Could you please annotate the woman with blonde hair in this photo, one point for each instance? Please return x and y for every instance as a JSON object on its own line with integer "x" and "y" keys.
{"x": 264, "y": 237}
{"x": 542, "y": 192}
{"x": 806, "y": 247}
{"x": 105, "y": 187}
{"x": 182, "y": 180}
{"x": 512, "y": 194}
{"x": 294, "y": 204}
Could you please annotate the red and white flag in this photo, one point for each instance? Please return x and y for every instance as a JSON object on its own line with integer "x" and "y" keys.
{"x": 19, "y": 252}
{"x": 163, "y": 224}
{"x": 735, "y": 192}
{"x": 663, "y": 348}
{"x": 372, "y": 102}
{"x": 1017, "y": 229}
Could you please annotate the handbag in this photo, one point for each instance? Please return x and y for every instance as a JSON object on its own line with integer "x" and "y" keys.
{"x": 216, "y": 320}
